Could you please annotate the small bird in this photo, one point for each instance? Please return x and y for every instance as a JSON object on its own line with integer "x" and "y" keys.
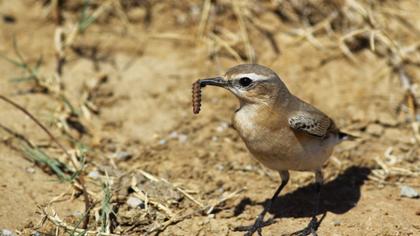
{"x": 280, "y": 130}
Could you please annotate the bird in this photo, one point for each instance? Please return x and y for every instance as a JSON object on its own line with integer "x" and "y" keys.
{"x": 280, "y": 130}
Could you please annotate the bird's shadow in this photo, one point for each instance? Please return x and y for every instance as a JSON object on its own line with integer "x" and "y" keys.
{"x": 337, "y": 196}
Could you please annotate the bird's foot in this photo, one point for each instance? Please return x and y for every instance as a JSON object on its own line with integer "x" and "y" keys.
{"x": 310, "y": 229}
{"x": 256, "y": 227}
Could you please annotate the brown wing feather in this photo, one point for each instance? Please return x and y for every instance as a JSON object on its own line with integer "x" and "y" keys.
{"x": 314, "y": 123}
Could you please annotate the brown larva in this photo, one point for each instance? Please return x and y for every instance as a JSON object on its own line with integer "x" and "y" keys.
{"x": 196, "y": 96}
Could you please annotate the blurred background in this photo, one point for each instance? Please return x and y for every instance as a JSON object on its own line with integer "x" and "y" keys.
{"x": 111, "y": 80}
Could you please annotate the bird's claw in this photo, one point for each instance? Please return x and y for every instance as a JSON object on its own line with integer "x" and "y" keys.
{"x": 256, "y": 227}
{"x": 309, "y": 230}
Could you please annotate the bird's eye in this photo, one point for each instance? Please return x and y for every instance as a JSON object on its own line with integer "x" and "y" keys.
{"x": 245, "y": 81}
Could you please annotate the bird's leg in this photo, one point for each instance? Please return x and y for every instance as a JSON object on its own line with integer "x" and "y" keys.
{"x": 259, "y": 222}
{"x": 313, "y": 224}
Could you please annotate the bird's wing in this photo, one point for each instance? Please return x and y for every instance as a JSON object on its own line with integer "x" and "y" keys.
{"x": 311, "y": 122}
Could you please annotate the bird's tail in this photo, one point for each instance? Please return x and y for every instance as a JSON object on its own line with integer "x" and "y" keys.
{"x": 346, "y": 137}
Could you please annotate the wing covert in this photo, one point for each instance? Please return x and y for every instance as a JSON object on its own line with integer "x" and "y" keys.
{"x": 311, "y": 123}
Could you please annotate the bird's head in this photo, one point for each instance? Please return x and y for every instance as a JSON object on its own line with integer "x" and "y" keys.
{"x": 251, "y": 83}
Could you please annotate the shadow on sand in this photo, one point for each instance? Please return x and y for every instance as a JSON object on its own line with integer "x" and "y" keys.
{"x": 338, "y": 196}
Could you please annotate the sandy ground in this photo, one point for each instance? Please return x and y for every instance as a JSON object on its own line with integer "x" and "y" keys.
{"x": 145, "y": 110}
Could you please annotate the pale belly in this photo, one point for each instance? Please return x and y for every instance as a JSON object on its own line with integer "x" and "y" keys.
{"x": 283, "y": 149}
{"x": 290, "y": 154}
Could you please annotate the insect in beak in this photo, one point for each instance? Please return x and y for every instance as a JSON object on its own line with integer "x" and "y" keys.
{"x": 196, "y": 90}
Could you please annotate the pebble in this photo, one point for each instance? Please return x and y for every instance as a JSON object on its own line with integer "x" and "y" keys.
{"x": 134, "y": 202}
{"x": 173, "y": 134}
{"x": 122, "y": 155}
{"x": 248, "y": 167}
{"x": 337, "y": 223}
{"x": 222, "y": 127}
{"x": 182, "y": 138}
{"x": 93, "y": 174}
{"x": 6, "y": 232}
{"x": 30, "y": 170}
{"x": 220, "y": 167}
{"x": 162, "y": 141}
{"x": 195, "y": 10}
{"x": 409, "y": 192}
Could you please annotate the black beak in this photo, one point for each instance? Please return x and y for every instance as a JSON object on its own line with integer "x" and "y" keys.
{"x": 216, "y": 81}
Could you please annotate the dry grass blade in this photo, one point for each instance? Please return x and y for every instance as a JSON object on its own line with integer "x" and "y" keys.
{"x": 155, "y": 179}
{"x": 31, "y": 72}
{"x": 56, "y": 220}
{"x": 224, "y": 198}
{"x": 342, "y": 43}
{"x": 250, "y": 51}
{"x": 222, "y": 43}
{"x": 59, "y": 37}
{"x": 40, "y": 157}
{"x": 86, "y": 20}
{"x": 172, "y": 221}
{"x": 188, "y": 196}
{"x": 26, "y": 112}
{"x": 60, "y": 197}
{"x": 106, "y": 208}
{"x": 308, "y": 33}
{"x": 416, "y": 130}
{"x": 204, "y": 18}
{"x": 143, "y": 196}
{"x": 172, "y": 36}
{"x": 410, "y": 97}
{"x": 49, "y": 161}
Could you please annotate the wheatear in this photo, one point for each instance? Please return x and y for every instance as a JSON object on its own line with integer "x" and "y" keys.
{"x": 280, "y": 130}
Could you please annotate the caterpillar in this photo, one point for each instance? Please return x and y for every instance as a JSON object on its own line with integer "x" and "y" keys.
{"x": 196, "y": 97}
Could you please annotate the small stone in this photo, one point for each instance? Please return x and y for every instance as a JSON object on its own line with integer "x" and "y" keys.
{"x": 220, "y": 167}
{"x": 248, "y": 167}
{"x": 222, "y": 127}
{"x": 375, "y": 129}
{"x": 162, "y": 141}
{"x": 93, "y": 174}
{"x": 134, "y": 202}
{"x": 35, "y": 233}
{"x": 122, "y": 156}
{"x": 195, "y": 10}
{"x": 30, "y": 170}
{"x": 418, "y": 212}
{"x": 336, "y": 223}
{"x": 181, "y": 19}
{"x": 409, "y": 192}
{"x": 6, "y": 232}
{"x": 173, "y": 135}
{"x": 182, "y": 138}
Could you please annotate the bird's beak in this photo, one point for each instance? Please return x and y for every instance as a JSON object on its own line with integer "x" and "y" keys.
{"x": 216, "y": 81}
